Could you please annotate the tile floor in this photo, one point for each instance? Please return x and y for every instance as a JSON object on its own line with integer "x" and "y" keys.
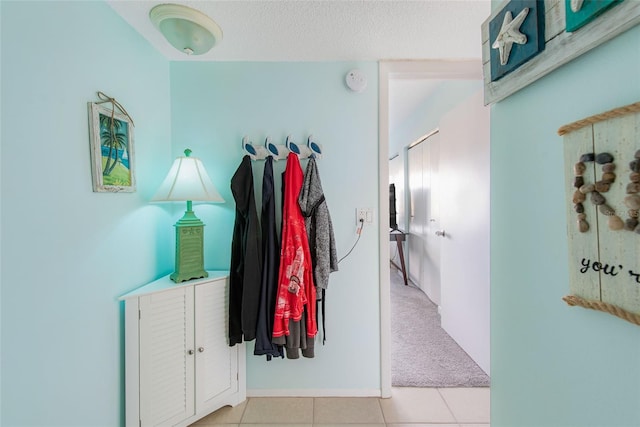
{"x": 415, "y": 407}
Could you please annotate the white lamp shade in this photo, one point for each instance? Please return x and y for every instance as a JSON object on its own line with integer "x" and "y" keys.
{"x": 187, "y": 180}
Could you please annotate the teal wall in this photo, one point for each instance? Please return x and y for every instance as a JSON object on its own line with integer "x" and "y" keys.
{"x": 213, "y": 106}
{"x": 67, "y": 252}
{"x": 553, "y": 365}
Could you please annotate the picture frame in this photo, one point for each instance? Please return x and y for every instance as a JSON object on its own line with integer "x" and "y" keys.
{"x": 111, "y": 137}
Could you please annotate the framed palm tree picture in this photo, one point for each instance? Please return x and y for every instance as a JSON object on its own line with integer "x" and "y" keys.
{"x": 112, "y": 153}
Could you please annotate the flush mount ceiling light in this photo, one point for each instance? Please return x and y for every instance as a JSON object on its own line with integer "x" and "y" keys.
{"x": 188, "y": 30}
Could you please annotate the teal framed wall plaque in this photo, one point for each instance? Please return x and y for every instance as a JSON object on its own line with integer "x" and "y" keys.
{"x": 581, "y": 12}
{"x": 516, "y": 35}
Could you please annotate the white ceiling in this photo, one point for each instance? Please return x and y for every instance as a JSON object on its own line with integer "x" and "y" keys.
{"x": 332, "y": 30}
{"x": 327, "y": 30}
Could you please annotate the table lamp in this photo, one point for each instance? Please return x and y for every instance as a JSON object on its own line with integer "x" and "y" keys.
{"x": 188, "y": 181}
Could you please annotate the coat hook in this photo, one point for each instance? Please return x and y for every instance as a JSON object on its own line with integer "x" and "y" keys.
{"x": 316, "y": 149}
{"x": 277, "y": 151}
{"x": 256, "y": 152}
{"x": 302, "y": 151}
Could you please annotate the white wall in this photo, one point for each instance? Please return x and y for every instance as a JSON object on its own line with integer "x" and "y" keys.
{"x": 465, "y": 195}
{"x": 396, "y": 176}
{"x": 426, "y": 116}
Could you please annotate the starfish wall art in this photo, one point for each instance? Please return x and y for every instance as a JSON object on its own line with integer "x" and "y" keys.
{"x": 516, "y": 35}
{"x": 581, "y": 12}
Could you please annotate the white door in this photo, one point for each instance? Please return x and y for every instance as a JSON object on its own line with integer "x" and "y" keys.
{"x": 431, "y": 260}
{"x": 464, "y": 178}
{"x": 424, "y": 246}
{"x": 166, "y": 357}
{"x": 417, "y": 215}
{"x": 216, "y": 363}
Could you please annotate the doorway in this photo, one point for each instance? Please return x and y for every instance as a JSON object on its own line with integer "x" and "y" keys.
{"x": 459, "y": 70}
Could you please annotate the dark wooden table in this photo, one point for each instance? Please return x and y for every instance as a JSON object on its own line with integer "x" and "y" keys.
{"x": 399, "y": 236}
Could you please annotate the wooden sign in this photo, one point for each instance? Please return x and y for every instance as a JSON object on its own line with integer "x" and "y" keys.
{"x": 602, "y": 175}
{"x": 561, "y": 45}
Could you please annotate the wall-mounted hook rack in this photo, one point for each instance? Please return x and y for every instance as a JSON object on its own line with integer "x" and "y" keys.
{"x": 278, "y": 151}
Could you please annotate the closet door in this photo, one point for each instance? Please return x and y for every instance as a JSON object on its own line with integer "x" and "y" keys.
{"x": 424, "y": 190}
{"x": 216, "y": 362}
{"x": 432, "y": 240}
{"x": 417, "y": 215}
{"x": 166, "y": 357}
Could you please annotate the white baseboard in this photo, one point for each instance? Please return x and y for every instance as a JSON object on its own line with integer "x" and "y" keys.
{"x": 261, "y": 392}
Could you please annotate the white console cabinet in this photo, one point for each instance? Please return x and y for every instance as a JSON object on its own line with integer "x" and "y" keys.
{"x": 178, "y": 363}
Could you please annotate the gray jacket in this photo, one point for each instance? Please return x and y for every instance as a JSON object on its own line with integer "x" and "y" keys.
{"x": 322, "y": 243}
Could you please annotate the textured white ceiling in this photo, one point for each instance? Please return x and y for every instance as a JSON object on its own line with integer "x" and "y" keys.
{"x": 327, "y": 30}
{"x": 333, "y": 30}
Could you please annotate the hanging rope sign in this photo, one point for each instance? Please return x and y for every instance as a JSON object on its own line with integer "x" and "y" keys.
{"x": 114, "y": 104}
{"x": 602, "y": 155}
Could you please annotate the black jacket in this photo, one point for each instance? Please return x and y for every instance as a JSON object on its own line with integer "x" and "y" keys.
{"x": 270, "y": 268}
{"x": 246, "y": 259}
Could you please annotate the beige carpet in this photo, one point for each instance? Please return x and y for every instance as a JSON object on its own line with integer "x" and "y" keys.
{"x": 422, "y": 353}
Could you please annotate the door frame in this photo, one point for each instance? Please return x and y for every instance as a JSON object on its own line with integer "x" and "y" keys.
{"x": 470, "y": 69}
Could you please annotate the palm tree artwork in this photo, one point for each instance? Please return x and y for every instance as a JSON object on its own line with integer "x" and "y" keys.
{"x": 114, "y": 143}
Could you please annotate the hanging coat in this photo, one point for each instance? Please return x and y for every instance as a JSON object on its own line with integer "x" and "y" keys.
{"x": 271, "y": 262}
{"x": 322, "y": 244}
{"x": 296, "y": 291}
{"x": 246, "y": 258}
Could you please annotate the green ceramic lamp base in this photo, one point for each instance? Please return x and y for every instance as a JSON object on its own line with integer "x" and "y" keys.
{"x": 189, "y": 248}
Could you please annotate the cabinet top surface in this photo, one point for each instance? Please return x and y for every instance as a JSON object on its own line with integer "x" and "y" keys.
{"x": 165, "y": 284}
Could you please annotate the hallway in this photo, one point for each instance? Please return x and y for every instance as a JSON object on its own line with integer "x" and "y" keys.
{"x": 422, "y": 352}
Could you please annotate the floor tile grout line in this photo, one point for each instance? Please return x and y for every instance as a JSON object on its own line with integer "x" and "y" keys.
{"x": 448, "y": 407}
{"x": 244, "y": 410}
{"x": 382, "y": 410}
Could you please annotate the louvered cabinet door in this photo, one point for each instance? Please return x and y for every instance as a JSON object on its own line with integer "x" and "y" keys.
{"x": 179, "y": 366}
{"x": 216, "y": 363}
{"x": 167, "y": 357}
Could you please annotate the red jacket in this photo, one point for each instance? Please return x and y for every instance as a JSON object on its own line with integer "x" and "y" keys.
{"x": 296, "y": 291}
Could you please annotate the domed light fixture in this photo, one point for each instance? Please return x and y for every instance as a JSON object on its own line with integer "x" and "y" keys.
{"x": 188, "y": 30}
